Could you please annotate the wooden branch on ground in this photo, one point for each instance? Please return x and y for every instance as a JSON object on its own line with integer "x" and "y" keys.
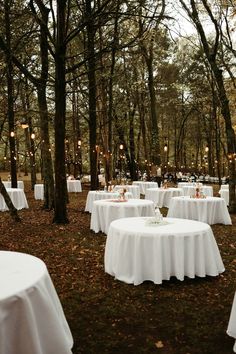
{"x": 12, "y": 209}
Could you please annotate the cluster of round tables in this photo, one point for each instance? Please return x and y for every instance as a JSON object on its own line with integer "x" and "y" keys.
{"x": 139, "y": 247}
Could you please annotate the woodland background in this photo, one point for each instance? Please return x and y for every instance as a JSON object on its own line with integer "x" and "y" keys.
{"x": 118, "y": 85}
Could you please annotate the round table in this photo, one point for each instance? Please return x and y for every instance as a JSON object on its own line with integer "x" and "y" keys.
{"x": 38, "y": 191}
{"x": 74, "y": 185}
{"x": 212, "y": 210}
{"x": 18, "y": 199}
{"x": 188, "y": 184}
{"x": 191, "y": 190}
{"x": 99, "y": 195}
{"x": 137, "y": 251}
{"x": 7, "y": 184}
{"x": 224, "y": 186}
{"x": 32, "y": 320}
{"x": 105, "y": 211}
{"x": 162, "y": 196}
{"x": 231, "y": 330}
{"x": 224, "y": 193}
{"x": 144, "y": 185}
{"x": 135, "y": 190}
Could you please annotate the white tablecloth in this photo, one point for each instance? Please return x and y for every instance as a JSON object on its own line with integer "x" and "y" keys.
{"x": 231, "y": 330}
{"x": 99, "y": 195}
{"x": 18, "y": 199}
{"x": 191, "y": 190}
{"x": 74, "y": 186}
{"x": 31, "y": 317}
{"x": 38, "y": 191}
{"x": 211, "y": 210}
{"x": 105, "y": 211}
{"x": 7, "y": 184}
{"x": 161, "y": 196}
{"x": 224, "y": 193}
{"x": 143, "y": 185}
{"x": 190, "y": 184}
{"x": 136, "y": 252}
{"x": 135, "y": 190}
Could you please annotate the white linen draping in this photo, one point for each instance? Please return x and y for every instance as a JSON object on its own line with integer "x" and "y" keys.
{"x": 74, "y": 185}
{"x": 136, "y": 252}
{"x": 191, "y": 190}
{"x": 224, "y": 186}
{"x": 18, "y": 199}
{"x": 135, "y": 190}
{"x": 32, "y": 320}
{"x": 38, "y": 191}
{"x": 99, "y": 195}
{"x": 105, "y": 211}
{"x": 188, "y": 184}
{"x": 231, "y": 330}
{"x": 161, "y": 196}
{"x": 7, "y": 184}
{"x": 212, "y": 210}
{"x": 224, "y": 193}
{"x": 144, "y": 185}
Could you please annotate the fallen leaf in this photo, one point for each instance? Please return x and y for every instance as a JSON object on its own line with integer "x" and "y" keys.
{"x": 159, "y": 344}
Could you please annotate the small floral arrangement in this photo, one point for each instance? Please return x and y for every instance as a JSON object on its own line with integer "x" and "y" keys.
{"x": 198, "y": 194}
{"x": 165, "y": 185}
{"x": 122, "y": 193}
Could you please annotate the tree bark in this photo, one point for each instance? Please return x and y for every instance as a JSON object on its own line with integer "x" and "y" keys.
{"x": 60, "y": 212}
{"x": 10, "y": 97}
{"x": 92, "y": 96}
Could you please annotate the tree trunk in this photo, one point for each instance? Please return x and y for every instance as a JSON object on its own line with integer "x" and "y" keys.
{"x": 132, "y": 164}
{"x": 60, "y": 213}
{"x": 92, "y": 96}
{"x": 10, "y": 97}
{"x": 47, "y": 167}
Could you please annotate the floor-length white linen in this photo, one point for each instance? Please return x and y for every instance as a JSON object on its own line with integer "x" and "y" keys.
{"x": 18, "y": 199}
{"x": 105, "y": 211}
{"x": 162, "y": 196}
{"x": 32, "y": 320}
{"x": 99, "y": 195}
{"x": 136, "y": 252}
{"x": 74, "y": 185}
{"x": 38, "y": 191}
{"x": 212, "y": 210}
{"x": 135, "y": 190}
{"x": 231, "y": 330}
{"x": 144, "y": 185}
{"x": 191, "y": 190}
{"x": 224, "y": 193}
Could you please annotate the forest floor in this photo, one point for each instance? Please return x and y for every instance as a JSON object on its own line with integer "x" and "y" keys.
{"x": 108, "y": 316}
